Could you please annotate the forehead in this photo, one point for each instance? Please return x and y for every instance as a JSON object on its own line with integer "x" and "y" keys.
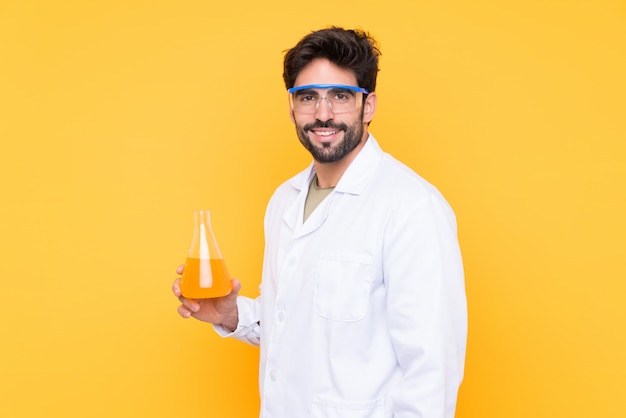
{"x": 322, "y": 71}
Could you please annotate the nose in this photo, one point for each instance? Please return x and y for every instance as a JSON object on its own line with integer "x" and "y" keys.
{"x": 324, "y": 112}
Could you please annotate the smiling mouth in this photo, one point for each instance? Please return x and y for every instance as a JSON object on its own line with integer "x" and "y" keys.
{"x": 324, "y": 133}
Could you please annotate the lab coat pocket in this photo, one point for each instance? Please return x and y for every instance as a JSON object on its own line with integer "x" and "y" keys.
{"x": 342, "y": 286}
{"x": 331, "y": 408}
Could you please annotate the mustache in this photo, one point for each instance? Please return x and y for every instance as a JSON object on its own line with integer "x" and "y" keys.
{"x": 329, "y": 124}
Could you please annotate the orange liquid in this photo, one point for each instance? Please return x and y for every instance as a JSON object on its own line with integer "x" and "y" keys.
{"x": 204, "y": 279}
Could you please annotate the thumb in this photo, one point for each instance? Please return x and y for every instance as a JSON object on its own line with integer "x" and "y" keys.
{"x": 236, "y": 287}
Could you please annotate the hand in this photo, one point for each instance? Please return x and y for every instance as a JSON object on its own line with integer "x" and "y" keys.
{"x": 218, "y": 311}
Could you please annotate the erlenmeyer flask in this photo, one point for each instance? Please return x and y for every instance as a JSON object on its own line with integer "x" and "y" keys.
{"x": 205, "y": 274}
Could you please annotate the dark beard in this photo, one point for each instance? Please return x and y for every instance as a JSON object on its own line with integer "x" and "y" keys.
{"x": 328, "y": 153}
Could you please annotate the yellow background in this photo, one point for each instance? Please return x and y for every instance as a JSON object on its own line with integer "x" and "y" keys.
{"x": 118, "y": 118}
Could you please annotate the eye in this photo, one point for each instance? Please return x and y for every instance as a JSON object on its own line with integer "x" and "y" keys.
{"x": 341, "y": 96}
{"x": 306, "y": 97}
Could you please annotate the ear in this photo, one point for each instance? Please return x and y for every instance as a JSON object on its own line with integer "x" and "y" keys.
{"x": 291, "y": 116}
{"x": 369, "y": 107}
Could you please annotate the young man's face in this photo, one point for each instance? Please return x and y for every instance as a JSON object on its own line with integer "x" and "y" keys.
{"x": 327, "y": 135}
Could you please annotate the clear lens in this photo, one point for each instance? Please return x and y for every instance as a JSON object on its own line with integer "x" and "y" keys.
{"x": 339, "y": 99}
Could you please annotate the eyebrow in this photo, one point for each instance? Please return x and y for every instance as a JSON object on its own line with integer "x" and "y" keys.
{"x": 304, "y": 92}
{"x": 341, "y": 90}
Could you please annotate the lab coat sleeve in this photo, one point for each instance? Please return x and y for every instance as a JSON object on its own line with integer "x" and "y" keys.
{"x": 427, "y": 311}
{"x": 248, "y": 328}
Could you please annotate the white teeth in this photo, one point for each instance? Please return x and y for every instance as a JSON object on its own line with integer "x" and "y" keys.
{"x": 326, "y": 133}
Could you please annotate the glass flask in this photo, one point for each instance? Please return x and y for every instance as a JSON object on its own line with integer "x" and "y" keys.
{"x": 205, "y": 275}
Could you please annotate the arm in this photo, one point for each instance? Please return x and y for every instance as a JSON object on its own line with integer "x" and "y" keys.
{"x": 426, "y": 308}
{"x": 249, "y": 326}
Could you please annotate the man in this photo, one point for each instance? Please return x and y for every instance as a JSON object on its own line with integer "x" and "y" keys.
{"x": 362, "y": 310}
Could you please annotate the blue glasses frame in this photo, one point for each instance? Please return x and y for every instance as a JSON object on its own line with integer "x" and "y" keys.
{"x": 329, "y": 86}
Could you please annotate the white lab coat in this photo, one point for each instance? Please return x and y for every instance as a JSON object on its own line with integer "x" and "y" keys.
{"x": 362, "y": 308}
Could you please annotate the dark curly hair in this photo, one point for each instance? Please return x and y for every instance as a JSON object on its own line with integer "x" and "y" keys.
{"x": 354, "y": 50}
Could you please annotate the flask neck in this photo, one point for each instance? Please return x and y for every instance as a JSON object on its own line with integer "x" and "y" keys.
{"x": 203, "y": 245}
{"x": 202, "y": 217}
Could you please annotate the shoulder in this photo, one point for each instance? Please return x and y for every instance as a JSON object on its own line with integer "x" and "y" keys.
{"x": 407, "y": 194}
{"x": 402, "y": 181}
{"x": 289, "y": 190}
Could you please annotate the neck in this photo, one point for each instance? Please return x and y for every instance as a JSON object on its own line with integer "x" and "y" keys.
{"x": 329, "y": 174}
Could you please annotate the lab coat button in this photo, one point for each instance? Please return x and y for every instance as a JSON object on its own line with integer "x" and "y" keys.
{"x": 281, "y": 316}
{"x": 273, "y": 375}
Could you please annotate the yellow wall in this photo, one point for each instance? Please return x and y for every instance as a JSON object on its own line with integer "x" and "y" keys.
{"x": 119, "y": 117}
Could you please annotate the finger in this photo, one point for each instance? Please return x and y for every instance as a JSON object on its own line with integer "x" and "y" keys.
{"x": 184, "y": 312}
{"x": 236, "y": 286}
{"x": 189, "y": 304}
{"x": 180, "y": 269}
{"x": 176, "y": 288}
